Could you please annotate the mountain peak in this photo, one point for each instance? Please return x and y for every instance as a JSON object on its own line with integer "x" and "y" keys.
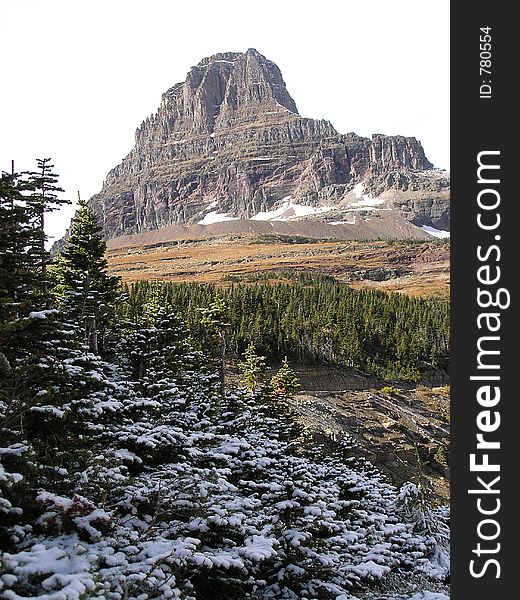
{"x": 227, "y": 90}
{"x": 228, "y": 140}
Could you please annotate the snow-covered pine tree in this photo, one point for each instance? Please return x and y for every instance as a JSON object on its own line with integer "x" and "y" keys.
{"x": 44, "y": 368}
{"x": 183, "y": 502}
{"x": 430, "y": 523}
{"x": 165, "y": 487}
{"x": 16, "y": 297}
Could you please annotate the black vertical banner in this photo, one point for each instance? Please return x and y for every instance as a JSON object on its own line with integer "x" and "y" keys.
{"x": 485, "y": 325}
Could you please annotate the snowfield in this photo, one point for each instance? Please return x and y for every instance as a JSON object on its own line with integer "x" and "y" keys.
{"x": 438, "y": 233}
{"x": 290, "y": 210}
{"x": 216, "y": 217}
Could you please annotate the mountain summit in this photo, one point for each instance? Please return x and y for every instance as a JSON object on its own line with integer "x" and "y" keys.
{"x": 228, "y": 144}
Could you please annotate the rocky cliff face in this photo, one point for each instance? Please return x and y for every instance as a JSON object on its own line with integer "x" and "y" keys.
{"x": 229, "y": 143}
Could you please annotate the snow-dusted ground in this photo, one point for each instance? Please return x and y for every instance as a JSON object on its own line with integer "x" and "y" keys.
{"x": 429, "y": 596}
{"x": 42, "y": 314}
{"x": 291, "y": 210}
{"x": 369, "y": 204}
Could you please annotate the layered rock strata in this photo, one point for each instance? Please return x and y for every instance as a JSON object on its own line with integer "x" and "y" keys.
{"x": 229, "y": 141}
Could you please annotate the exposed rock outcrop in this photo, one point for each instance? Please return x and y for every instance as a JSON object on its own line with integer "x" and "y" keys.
{"x": 229, "y": 140}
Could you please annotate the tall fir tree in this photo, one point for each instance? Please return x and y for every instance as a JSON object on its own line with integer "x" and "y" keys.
{"x": 42, "y": 364}
{"x": 43, "y": 198}
{"x": 216, "y": 319}
{"x": 81, "y": 283}
{"x": 15, "y": 235}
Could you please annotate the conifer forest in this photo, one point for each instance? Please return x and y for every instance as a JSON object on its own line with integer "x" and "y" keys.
{"x": 133, "y": 468}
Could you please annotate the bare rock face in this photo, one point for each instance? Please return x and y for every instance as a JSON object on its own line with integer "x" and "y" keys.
{"x": 229, "y": 139}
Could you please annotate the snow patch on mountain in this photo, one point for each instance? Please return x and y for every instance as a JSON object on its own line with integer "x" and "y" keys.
{"x": 290, "y": 210}
{"x": 363, "y": 199}
{"x": 216, "y": 217}
{"x": 438, "y": 233}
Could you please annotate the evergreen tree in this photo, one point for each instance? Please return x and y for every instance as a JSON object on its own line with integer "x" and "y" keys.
{"x": 143, "y": 490}
{"x": 153, "y": 347}
{"x": 43, "y": 198}
{"x": 216, "y": 319}
{"x": 167, "y": 487}
{"x": 431, "y": 524}
{"x": 285, "y": 383}
{"x": 17, "y": 277}
{"x": 252, "y": 368}
{"x": 82, "y": 285}
{"x": 389, "y": 335}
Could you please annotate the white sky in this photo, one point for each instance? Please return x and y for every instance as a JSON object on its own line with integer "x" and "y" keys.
{"x": 79, "y": 76}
